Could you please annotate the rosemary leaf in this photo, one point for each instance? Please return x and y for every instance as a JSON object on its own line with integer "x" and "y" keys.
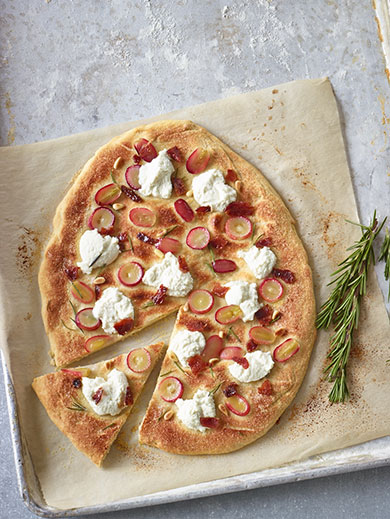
{"x": 179, "y": 367}
{"x": 74, "y": 321}
{"x": 95, "y": 260}
{"x": 108, "y": 426}
{"x": 385, "y": 256}
{"x": 78, "y": 291}
{"x": 146, "y": 305}
{"x": 231, "y": 331}
{"x": 112, "y": 177}
{"x": 76, "y": 406}
{"x": 169, "y": 230}
{"x": 215, "y": 389}
{"x": 167, "y": 373}
{"x": 130, "y": 243}
{"x": 212, "y": 372}
{"x": 67, "y": 327}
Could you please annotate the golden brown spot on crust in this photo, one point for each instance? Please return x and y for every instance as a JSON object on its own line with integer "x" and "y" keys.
{"x": 167, "y": 217}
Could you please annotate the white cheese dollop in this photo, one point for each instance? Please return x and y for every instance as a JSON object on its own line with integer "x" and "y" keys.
{"x": 168, "y": 273}
{"x": 93, "y": 245}
{"x": 155, "y": 176}
{"x": 260, "y": 364}
{"x": 244, "y": 295}
{"x": 209, "y": 188}
{"x": 186, "y": 344}
{"x": 112, "y": 307}
{"x": 191, "y": 410}
{"x": 260, "y": 261}
{"x": 113, "y": 396}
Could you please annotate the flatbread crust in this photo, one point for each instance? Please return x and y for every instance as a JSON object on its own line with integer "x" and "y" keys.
{"x": 89, "y": 432}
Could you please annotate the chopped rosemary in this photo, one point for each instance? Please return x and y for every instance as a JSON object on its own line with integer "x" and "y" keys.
{"x": 343, "y": 306}
{"x": 75, "y": 322}
{"x": 210, "y": 267}
{"x": 385, "y": 256}
{"x": 112, "y": 177}
{"x": 167, "y": 373}
{"x": 130, "y": 243}
{"x": 258, "y": 238}
{"x": 169, "y": 230}
{"x": 253, "y": 232}
{"x": 212, "y": 371}
{"x": 77, "y": 290}
{"x": 231, "y": 331}
{"x": 76, "y": 406}
{"x": 179, "y": 367}
{"x": 73, "y": 308}
{"x": 108, "y": 426}
{"x": 215, "y": 389}
{"x": 146, "y": 305}
{"x": 67, "y": 327}
{"x": 95, "y": 260}
{"x": 276, "y": 318}
{"x": 211, "y": 254}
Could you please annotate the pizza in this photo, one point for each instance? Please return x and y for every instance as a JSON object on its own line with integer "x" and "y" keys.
{"x": 166, "y": 218}
{"x": 91, "y": 405}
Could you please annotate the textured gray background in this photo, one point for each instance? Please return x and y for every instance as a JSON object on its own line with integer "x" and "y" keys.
{"x": 72, "y": 65}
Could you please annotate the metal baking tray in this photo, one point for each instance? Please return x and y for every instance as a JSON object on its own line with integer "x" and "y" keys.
{"x": 367, "y": 455}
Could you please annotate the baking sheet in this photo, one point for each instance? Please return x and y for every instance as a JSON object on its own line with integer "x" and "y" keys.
{"x": 292, "y": 133}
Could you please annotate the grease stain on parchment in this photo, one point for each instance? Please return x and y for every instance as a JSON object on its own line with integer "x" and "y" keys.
{"x": 28, "y": 252}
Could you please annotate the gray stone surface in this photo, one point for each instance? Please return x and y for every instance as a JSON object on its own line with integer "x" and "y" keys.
{"x": 71, "y": 65}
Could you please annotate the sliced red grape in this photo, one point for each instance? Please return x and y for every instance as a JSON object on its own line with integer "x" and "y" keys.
{"x": 286, "y": 350}
{"x": 198, "y": 238}
{"x": 107, "y": 194}
{"x": 238, "y": 227}
{"x": 271, "y": 290}
{"x": 139, "y": 360}
{"x": 200, "y": 301}
{"x": 97, "y": 342}
{"x": 238, "y": 405}
{"x": 184, "y": 210}
{"x": 145, "y": 150}
{"x": 230, "y": 352}
{"x": 213, "y": 348}
{"x": 82, "y": 292}
{"x": 168, "y": 245}
{"x": 131, "y": 176}
{"x": 197, "y": 161}
{"x": 262, "y": 335}
{"x": 131, "y": 274}
{"x": 86, "y": 320}
{"x": 142, "y": 217}
{"x": 224, "y": 265}
{"x": 170, "y": 389}
{"x": 102, "y": 219}
{"x": 228, "y": 314}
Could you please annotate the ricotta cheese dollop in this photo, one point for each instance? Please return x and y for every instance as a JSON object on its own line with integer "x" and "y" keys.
{"x": 155, "y": 176}
{"x": 113, "y": 394}
{"x": 186, "y": 344}
{"x": 93, "y": 245}
{"x": 260, "y": 364}
{"x": 209, "y": 188}
{"x": 244, "y": 295}
{"x": 260, "y": 261}
{"x": 112, "y": 307}
{"x": 191, "y": 410}
{"x": 168, "y": 273}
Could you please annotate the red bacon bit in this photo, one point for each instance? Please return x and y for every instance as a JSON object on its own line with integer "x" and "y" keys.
{"x": 129, "y": 399}
{"x": 251, "y": 345}
{"x": 210, "y": 422}
{"x": 98, "y": 292}
{"x": 282, "y": 332}
{"x": 137, "y": 159}
{"x": 203, "y": 209}
{"x": 183, "y": 264}
{"x": 264, "y": 314}
{"x": 239, "y": 209}
{"x": 242, "y": 361}
{"x": 124, "y": 326}
{"x": 219, "y": 291}
{"x": 106, "y": 230}
{"x": 196, "y": 364}
{"x": 265, "y": 388}
{"x": 131, "y": 194}
{"x": 218, "y": 243}
{"x": 175, "y": 154}
{"x": 96, "y": 397}
{"x": 198, "y": 326}
{"x": 179, "y": 186}
{"x": 122, "y": 239}
{"x": 285, "y": 275}
{"x": 71, "y": 272}
{"x": 76, "y": 383}
{"x": 231, "y": 175}
{"x": 146, "y": 239}
{"x": 264, "y": 242}
{"x": 230, "y": 390}
{"x": 159, "y": 296}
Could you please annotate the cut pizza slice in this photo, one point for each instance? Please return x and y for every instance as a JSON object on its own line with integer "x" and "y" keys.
{"x": 91, "y": 405}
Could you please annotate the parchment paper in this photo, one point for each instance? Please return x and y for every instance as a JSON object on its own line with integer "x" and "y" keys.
{"x": 292, "y": 133}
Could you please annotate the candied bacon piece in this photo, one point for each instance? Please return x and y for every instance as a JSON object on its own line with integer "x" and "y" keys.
{"x": 71, "y": 272}
{"x": 209, "y": 421}
{"x": 239, "y": 209}
{"x": 183, "y": 264}
{"x": 131, "y": 194}
{"x": 264, "y": 314}
{"x": 219, "y": 242}
{"x": 197, "y": 326}
{"x": 122, "y": 240}
{"x": 251, "y": 345}
{"x": 263, "y": 242}
{"x": 281, "y": 332}
{"x": 98, "y": 292}
{"x": 96, "y": 397}
{"x": 159, "y": 296}
{"x": 175, "y": 154}
{"x": 203, "y": 209}
{"x": 196, "y": 364}
{"x": 129, "y": 399}
{"x": 76, "y": 383}
{"x": 179, "y": 186}
{"x": 231, "y": 175}
{"x": 230, "y": 390}
{"x": 219, "y": 291}
{"x": 124, "y": 326}
{"x": 265, "y": 388}
{"x": 137, "y": 159}
{"x": 285, "y": 275}
{"x": 242, "y": 361}
{"x": 146, "y": 239}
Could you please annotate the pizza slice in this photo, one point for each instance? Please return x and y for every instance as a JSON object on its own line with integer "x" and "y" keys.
{"x": 91, "y": 405}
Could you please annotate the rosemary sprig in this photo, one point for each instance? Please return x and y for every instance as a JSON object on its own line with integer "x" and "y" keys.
{"x": 215, "y": 389}
{"x": 212, "y": 372}
{"x": 95, "y": 260}
{"x": 76, "y": 406}
{"x": 130, "y": 243}
{"x": 231, "y": 331}
{"x": 179, "y": 367}
{"x": 74, "y": 320}
{"x": 77, "y": 290}
{"x": 385, "y": 256}
{"x": 108, "y": 426}
{"x": 67, "y": 327}
{"x": 343, "y": 306}
{"x": 166, "y": 373}
{"x": 112, "y": 177}
{"x": 169, "y": 230}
